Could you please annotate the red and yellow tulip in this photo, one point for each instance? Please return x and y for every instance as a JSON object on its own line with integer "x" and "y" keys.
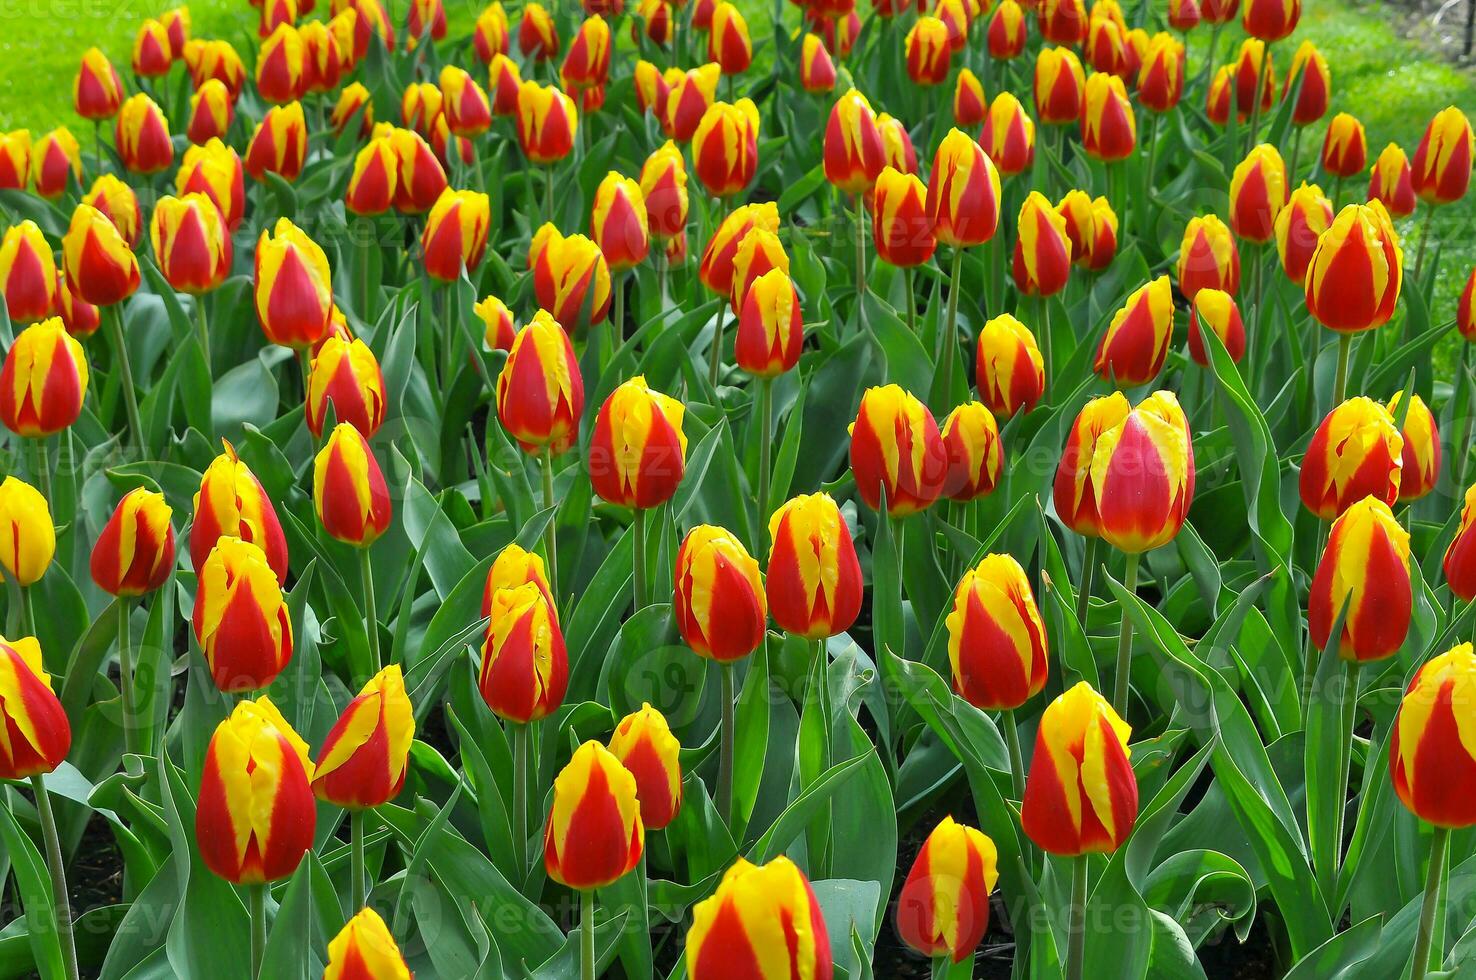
{"x": 1441, "y": 167}
{"x": 279, "y": 144}
{"x": 852, "y": 153}
{"x": 365, "y": 950}
{"x": 943, "y": 909}
{"x": 963, "y": 192}
{"x": 901, "y": 228}
{"x": 1257, "y": 194}
{"x": 1355, "y": 273}
{"x": 240, "y": 618}
{"x": 1299, "y": 226}
{"x": 644, "y": 745}
{"x": 975, "y": 454}
{"x": 142, "y": 135}
{"x": 1133, "y": 350}
{"x": 349, "y": 493}
{"x": 97, "y": 91}
{"x": 718, "y": 599}
{"x": 1042, "y": 257}
{"x": 618, "y": 222}
{"x": 1109, "y": 129}
{"x": 638, "y": 451}
{"x": 1391, "y": 182}
{"x": 38, "y": 733}
{"x": 725, "y": 147}
{"x": 44, "y": 380}
{"x": 1215, "y": 310}
{"x": 231, "y": 503}
{"x": 27, "y": 534}
{"x": 1009, "y": 368}
{"x": 294, "y": 294}
{"x": 540, "y": 393}
{"x": 1365, "y": 569}
{"x": 814, "y": 584}
{"x": 896, "y": 448}
{"x": 1430, "y": 760}
{"x": 594, "y": 835}
{"x": 1356, "y": 452}
{"x": 27, "y": 273}
{"x": 97, "y": 260}
{"x": 1208, "y": 257}
{"x": 1081, "y": 796}
{"x": 345, "y": 374}
{"x": 524, "y": 669}
{"x": 762, "y": 923}
{"x": 1420, "y": 470}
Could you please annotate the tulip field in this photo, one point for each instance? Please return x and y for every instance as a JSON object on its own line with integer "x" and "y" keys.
{"x": 954, "y": 488}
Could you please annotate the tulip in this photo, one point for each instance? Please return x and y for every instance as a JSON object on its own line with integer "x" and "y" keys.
{"x": 901, "y": 228}
{"x": 1008, "y": 137}
{"x": 896, "y": 447}
{"x": 365, "y": 950}
{"x": 274, "y": 14}
{"x": 546, "y": 122}
{"x": 643, "y": 743}
{"x": 1354, "y": 275}
{"x": 1252, "y": 73}
{"x": 116, "y": 201}
{"x": 513, "y": 567}
{"x": 1365, "y": 570}
{"x": 1217, "y": 96}
{"x": 27, "y": 535}
{"x": 373, "y": 182}
{"x": 728, "y": 42}
{"x": 489, "y": 35}
{"x": 817, "y": 71}
{"x": 279, "y": 144}
{"x": 97, "y": 91}
{"x": 499, "y": 330}
{"x": 759, "y": 252}
{"x": 213, "y": 170}
{"x": 657, "y": 18}
{"x": 240, "y": 618}
{"x": 955, "y": 16}
{"x": 1420, "y": 468}
{"x": 652, "y": 90}
{"x": 1270, "y": 20}
{"x": 1010, "y": 370}
{"x": 1042, "y": 255}
{"x": 853, "y": 155}
{"x": 664, "y": 190}
{"x": 27, "y": 273}
{"x": 897, "y": 148}
{"x": 969, "y": 103}
{"x": 371, "y": 19}
{"x": 152, "y": 52}
{"x": 177, "y": 23}
{"x": 928, "y": 51}
{"x": 716, "y": 268}
{"x": 1183, "y": 15}
{"x": 963, "y": 192}
{"x": 943, "y": 909}
{"x": 294, "y": 297}
{"x": 345, "y": 373}
{"x": 1006, "y": 32}
{"x": 1356, "y": 452}
{"x": 1429, "y": 760}
{"x": 215, "y": 59}
{"x": 637, "y": 453}
{"x": 1081, "y": 796}
{"x": 143, "y": 136}
{"x": 455, "y": 234}
{"x": 725, "y": 147}
{"x": 353, "y": 101}
{"x": 420, "y": 106}
{"x": 594, "y": 835}
{"x": 691, "y": 96}
{"x": 211, "y": 113}
{"x": 997, "y": 643}
{"x": 468, "y": 113}
{"x": 80, "y": 317}
{"x": 814, "y": 584}
{"x": 255, "y": 817}
{"x": 1220, "y": 11}
{"x": 1344, "y": 149}
{"x": 1161, "y": 79}
{"x": 1105, "y": 46}
{"x": 96, "y": 258}
{"x": 1459, "y": 563}
{"x": 538, "y": 38}
{"x": 134, "y": 554}
{"x": 1257, "y": 194}
{"x": 44, "y": 380}
{"x": 770, "y": 326}
{"x": 38, "y": 733}
{"x": 719, "y": 597}
{"x": 1108, "y": 127}
{"x": 191, "y": 243}
{"x": 1141, "y": 473}
{"x": 763, "y": 921}
{"x": 1309, "y": 69}
{"x": 975, "y": 456}
{"x": 540, "y": 394}
{"x": 1081, "y": 225}
{"x": 505, "y": 81}
{"x": 571, "y": 280}
{"x": 524, "y": 670}
{"x": 427, "y": 19}
{"x": 1391, "y": 182}
{"x": 587, "y": 65}
{"x": 280, "y": 66}
{"x": 55, "y": 158}
{"x": 231, "y": 503}
{"x": 618, "y": 223}
{"x": 1442, "y": 162}
{"x": 349, "y": 493}
{"x": 1058, "y": 87}
{"x": 1062, "y": 21}
{"x": 420, "y": 179}
{"x": 1208, "y": 257}
{"x": 1216, "y": 310}
{"x": 15, "y": 159}
{"x": 1133, "y": 350}
{"x": 322, "y": 59}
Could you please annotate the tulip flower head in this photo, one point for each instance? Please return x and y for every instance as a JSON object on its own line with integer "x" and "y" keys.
{"x": 1081, "y": 796}
{"x": 975, "y": 454}
{"x": 716, "y": 268}
{"x": 719, "y": 598}
{"x": 1459, "y": 563}
{"x": 80, "y": 317}
{"x": 190, "y": 242}
{"x": 663, "y": 188}
{"x": 1466, "y": 309}
{"x": 1133, "y": 350}
{"x": 1420, "y": 467}
{"x": 1356, "y": 270}
{"x": 728, "y": 42}
{"x": 896, "y": 448}
{"x": 618, "y": 222}
{"x": 1161, "y": 79}
{"x": 1074, "y": 495}
{"x": 27, "y": 273}
{"x": 1215, "y": 310}
{"x": 212, "y": 110}
{"x": 142, "y": 136}
{"x": 1365, "y": 570}
{"x": 281, "y": 74}
{"x": 969, "y": 102}
{"x": 15, "y": 159}
{"x": 896, "y": 144}
{"x": 1344, "y": 148}
{"x": 571, "y": 280}
{"x": 98, "y": 263}
{"x": 759, "y": 252}
{"x": 928, "y": 51}
{"x": 524, "y": 670}
{"x": 365, "y": 949}
{"x": 817, "y": 71}
{"x": 692, "y": 94}
{"x": 1208, "y": 257}
{"x": 540, "y": 393}
{"x": 1009, "y": 368}
{"x": 152, "y": 52}
{"x": 770, "y": 326}
{"x": 853, "y": 153}
{"x": 240, "y": 618}
{"x": 1356, "y": 452}
{"x": 214, "y": 170}
{"x": 55, "y": 160}
{"x": 44, "y": 380}
{"x": 637, "y": 453}
{"x": 231, "y": 502}
{"x": 255, "y": 817}
{"x": 1062, "y": 21}
{"x": 349, "y": 493}
{"x": 1042, "y": 255}
{"x": 943, "y": 909}
{"x": 498, "y": 328}
{"x": 1299, "y": 226}
{"x": 1429, "y": 760}
{"x": 1391, "y": 182}
{"x": 997, "y": 644}
{"x": 813, "y": 585}
{"x": 27, "y": 535}
{"x": 1109, "y": 130}
{"x": 513, "y": 567}
{"x": 963, "y": 192}
{"x": 345, "y": 374}
{"x": 763, "y": 921}
{"x": 1142, "y": 476}
{"x": 725, "y": 147}
{"x": 294, "y": 297}
{"x": 279, "y": 144}
{"x": 594, "y": 835}
{"x": 1309, "y": 70}
{"x": 1257, "y": 194}
{"x": 455, "y": 234}
{"x": 1441, "y": 166}
{"x": 901, "y": 228}
{"x": 1270, "y": 20}
{"x": 587, "y": 65}
{"x": 644, "y": 745}
{"x": 1006, "y": 32}
{"x": 97, "y": 91}
{"x": 1008, "y": 136}
{"x": 1058, "y": 87}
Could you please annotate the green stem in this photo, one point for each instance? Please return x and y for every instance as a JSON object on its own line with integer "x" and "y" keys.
{"x": 1047, "y": 359}
{"x": 638, "y": 558}
{"x": 125, "y": 677}
{"x": 1076, "y": 920}
{"x": 361, "y": 270}
{"x": 520, "y": 795}
{"x": 950, "y": 334}
{"x": 1125, "y": 642}
{"x": 28, "y": 615}
{"x": 1340, "y": 380}
{"x": 256, "y": 900}
{"x": 204, "y": 329}
{"x": 1345, "y": 760}
{"x": 548, "y": 194}
{"x": 1088, "y": 572}
{"x": 1425, "y": 223}
{"x": 1460, "y": 449}
{"x": 63, "y": 906}
{"x": 40, "y": 466}
{"x": 1296, "y": 153}
{"x": 715, "y": 354}
{"x": 114, "y": 318}
{"x": 860, "y": 261}
{"x": 1255, "y": 119}
{"x": 725, "y": 759}
{"x": 587, "y": 934}
{"x": 1017, "y": 761}
{"x": 360, "y": 891}
{"x": 1420, "y": 966}
{"x": 941, "y": 966}
{"x": 371, "y": 617}
{"x": 550, "y": 531}
{"x": 910, "y": 301}
{"x": 1309, "y": 657}
{"x": 766, "y": 446}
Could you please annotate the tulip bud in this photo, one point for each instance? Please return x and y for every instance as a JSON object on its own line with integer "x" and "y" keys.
{"x": 346, "y": 373}
{"x": 1161, "y": 79}
{"x": 1062, "y": 21}
{"x": 1208, "y": 258}
{"x": 1183, "y": 15}
{"x": 525, "y": 670}
{"x": 572, "y": 281}
{"x": 540, "y": 240}
{"x": 97, "y": 91}
{"x": 1270, "y": 20}
{"x": 1104, "y": 46}
{"x": 15, "y": 159}
{"x": 1109, "y": 129}
{"x": 349, "y": 492}
{"x": 231, "y": 503}
{"x": 143, "y": 136}
{"x": 374, "y": 181}
{"x": 814, "y": 584}
{"x": 213, "y": 170}
{"x": 594, "y": 835}
{"x": 928, "y": 51}
{"x": 215, "y": 59}
{"x": 618, "y": 222}
{"x": 27, "y": 273}
{"x": 1365, "y": 569}
{"x": 997, "y": 643}
{"x": 371, "y": 18}
{"x": 901, "y": 228}
{"x": 420, "y": 179}
{"x": 1059, "y": 85}
{"x": 294, "y": 297}
{"x": 152, "y": 52}
{"x": 420, "y": 106}
{"x": 963, "y": 192}
{"x": 1354, "y": 275}
{"x": 455, "y": 234}
{"x": 365, "y": 950}
{"x": 1010, "y": 370}
{"x": 1133, "y": 350}
{"x": 1257, "y": 193}
{"x": 587, "y": 64}
{"x": 211, "y": 113}
{"x": 853, "y": 148}
{"x": 896, "y": 447}
{"x": 1391, "y": 182}
{"x": 538, "y": 39}
{"x": 1252, "y": 73}
{"x": 664, "y": 190}
{"x": 546, "y": 122}
{"x": 540, "y": 394}
{"x": 1299, "y": 226}
{"x": 1429, "y": 759}
{"x": 190, "y": 243}
{"x": 897, "y": 148}
{"x": 1081, "y": 796}
{"x": 1356, "y": 452}
{"x": 691, "y": 96}
{"x": 1218, "y": 95}
{"x": 716, "y": 268}
{"x": 27, "y": 535}
{"x": 1420, "y": 469}
{"x": 1081, "y": 224}
{"x": 758, "y": 253}
{"x": 134, "y": 554}
{"x": 1142, "y": 475}
{"x": 770, "y": 326}
{"x": 513, "y": 567}
{"x": 1460, "y": 555}
{"x": 1006, "y": 33}
{"x": 955, "y": 16}
{"x": 637, "y": 454}
{"x": 281, "y": 66}
{"x": 1442, "y": 162}
{"x": 44, "y": 380}
{"x": 725, "y": 147}
{"x": 975, "y": 456}
{"x": 240, "y": 618}
{"x": 489, "y": 36}
{"x": 728, "y": 42}
{"x": 969, "y": 103}
{"x": 497, "y": 322}
{"x": 1220, "y": 11}
{"x": 97, "y": 260}
{"x": 256, "y": 817}
{"x": 39, "y": 735}
{"x": 1344, "y": 149}
{"x": 322, "y": 60}
{"x": 1216, "y": 310}
{"x": 55, "y": 158}
{"x": 943, "y": 909}
{"x": 467, "y": 111}
{"x": 279, "y": 144}
{"x": 80, "y": 317}
{"x": 1309, "y": 69}
{"x": 719, "y": 596}
{"x": 656, "y": 17}
{"x": 643, "y": 743}
{"x": 1008, "y": 137}
{"x": 1042, "y": 255}
{"x": 817, "y": 71}
{"x": 427, "y": 19}
{"x": 274, "y": 14}
{"x": 505, "y": 82}
{"x": 763, "y": 920}
{"x": 652, "y": 90}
